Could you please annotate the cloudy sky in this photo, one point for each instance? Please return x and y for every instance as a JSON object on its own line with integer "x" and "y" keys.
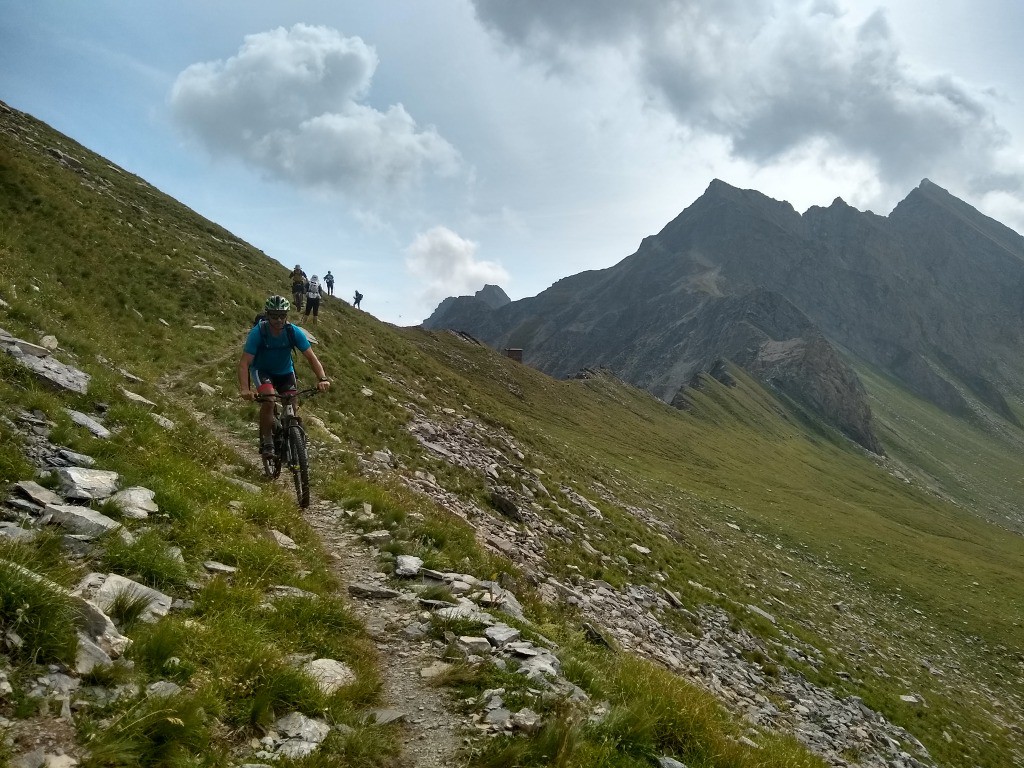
{"x": 422, "y": 149}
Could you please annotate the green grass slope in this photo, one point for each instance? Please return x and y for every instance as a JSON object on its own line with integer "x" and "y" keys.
{"x": 737, "y": 494}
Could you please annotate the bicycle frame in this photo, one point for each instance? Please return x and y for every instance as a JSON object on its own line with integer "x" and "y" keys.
{"x": 289, "y": 442}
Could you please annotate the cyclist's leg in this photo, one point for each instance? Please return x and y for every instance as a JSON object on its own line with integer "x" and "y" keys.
{"x": 265, "y": 386}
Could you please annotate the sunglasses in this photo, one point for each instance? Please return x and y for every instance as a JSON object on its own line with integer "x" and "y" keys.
{"x": 283, "y": 316}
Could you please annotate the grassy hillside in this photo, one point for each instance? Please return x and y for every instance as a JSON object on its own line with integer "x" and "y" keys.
{"x": 737, "y": 501}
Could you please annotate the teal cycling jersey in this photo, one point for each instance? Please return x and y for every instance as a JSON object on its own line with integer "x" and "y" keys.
{"x": 273, "y": 354}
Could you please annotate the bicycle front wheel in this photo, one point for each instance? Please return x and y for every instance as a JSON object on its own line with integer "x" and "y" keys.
{"x": 298, "y": 463}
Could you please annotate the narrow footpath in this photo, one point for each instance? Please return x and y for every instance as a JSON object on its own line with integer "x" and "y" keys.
{"x": 433, "y": 729}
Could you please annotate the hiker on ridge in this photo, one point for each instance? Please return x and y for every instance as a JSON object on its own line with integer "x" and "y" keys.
{"x": 267, "y": 362}
{"x": 329, "y": 282}
{"x": 298, "y": 278}
{"x": 356, "y": 299}
{"x": 313, "y": 297}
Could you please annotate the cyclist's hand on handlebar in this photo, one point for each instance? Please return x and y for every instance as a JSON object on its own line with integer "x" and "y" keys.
{"x": 324, "y": 384}
{"x": 247, "y": 394}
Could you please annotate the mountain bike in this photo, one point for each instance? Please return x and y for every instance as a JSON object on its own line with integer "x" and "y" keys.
{"x": 289, "y": 443}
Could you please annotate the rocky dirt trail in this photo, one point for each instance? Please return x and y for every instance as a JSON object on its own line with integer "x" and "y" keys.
{"x": 433, "y": 730}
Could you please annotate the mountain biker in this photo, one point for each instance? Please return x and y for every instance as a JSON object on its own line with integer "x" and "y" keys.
{"x": 313, "y": 297}
{"x": 298, "y": 278}
{"x": 267, "y": 362}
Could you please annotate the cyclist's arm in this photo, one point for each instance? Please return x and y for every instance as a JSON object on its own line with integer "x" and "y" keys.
{"x": 244, "y": 363}
{"x": 314, "y": 362}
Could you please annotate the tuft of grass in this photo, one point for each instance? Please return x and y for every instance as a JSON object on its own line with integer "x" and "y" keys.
{"x": 442, "y": 625}
{"x": 359, "y": 746}
{"x": 160, "y": 731}
{"x": 265, "y": 688}
{"x": 158, "y": 648}
{"x": 437, "y": 592}
{"x": 108, "y": 675}
{"x": 127, "y": 608}
{"x": 34, "y": 608}
{"x": 13, "y": 466}
{"x": 148, "y": 559}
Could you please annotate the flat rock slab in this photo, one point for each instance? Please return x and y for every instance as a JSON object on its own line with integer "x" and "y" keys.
{"x": 89, "y": 423}
{"x": 163, "y": 421}
{"x": 89, "y": 655}
{"x": 214, "y": 567}
{"x": 376, "y": 538}
{"x": 408, "y": 566}
{"x": 51, "y": 369}
{"x": 502, "y": 634}
{"x": 162, "y": 689}
{"x": 373, "y": 591}
{"x": 438, "y": 668}
{"x": 137, "y": 398}
{"x": 103, "y": 589}
{"x": 283, "y": 591}
{"x": 14, "y": 532}
{"x": 77, "y": 459}
{"x": 283, "y": 541}
{"x": 81, "y": 519}
{"x": 136, "y": 502}
{"x": 87, "y": 484}
{"x": 37, "y": 493}
{"x": 329, "y": 674}
{"x": 385, "y": 716}
{"x": 298, "y": 726}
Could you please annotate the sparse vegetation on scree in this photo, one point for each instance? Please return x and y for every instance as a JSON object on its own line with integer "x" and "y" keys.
{"x": 891, "y": 569}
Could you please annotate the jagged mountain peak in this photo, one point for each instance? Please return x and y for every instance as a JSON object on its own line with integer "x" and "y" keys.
{"x": 493, "y": 296}
{"x": 930, "y": 208}
{"x": 720, "y": 190}
{"x": 722, "y": 201}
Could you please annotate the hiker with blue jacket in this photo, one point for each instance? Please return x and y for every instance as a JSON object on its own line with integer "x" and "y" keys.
{"x": 267, "y": 362}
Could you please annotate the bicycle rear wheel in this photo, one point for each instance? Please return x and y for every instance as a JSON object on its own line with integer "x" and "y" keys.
{"x": 298, "y": 463}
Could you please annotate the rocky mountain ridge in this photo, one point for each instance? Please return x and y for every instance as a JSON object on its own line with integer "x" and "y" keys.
{"x": 932, "y": 295}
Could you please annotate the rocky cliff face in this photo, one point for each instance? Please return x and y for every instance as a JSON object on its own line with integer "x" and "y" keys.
{"x": 933, "y": 295}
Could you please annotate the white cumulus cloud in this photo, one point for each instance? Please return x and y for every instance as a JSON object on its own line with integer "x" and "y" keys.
{"x": 290, "y": 102}
{"x": 447, "y": 265}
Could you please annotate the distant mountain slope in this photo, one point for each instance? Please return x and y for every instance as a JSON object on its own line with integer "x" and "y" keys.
{"x": 931, "y": 295}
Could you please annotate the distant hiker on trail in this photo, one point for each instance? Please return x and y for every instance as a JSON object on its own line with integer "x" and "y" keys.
{"x": 298, "y": 278}
{"x": 356, "y": 299}
{"x": 329, "y": 282}
{"x": 313, "y": 297}
{"x": 267, "y": 362}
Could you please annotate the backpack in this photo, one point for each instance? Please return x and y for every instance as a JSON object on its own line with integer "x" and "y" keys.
{"x": 313, "y": 290}
{"x": 261, "y": 321}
